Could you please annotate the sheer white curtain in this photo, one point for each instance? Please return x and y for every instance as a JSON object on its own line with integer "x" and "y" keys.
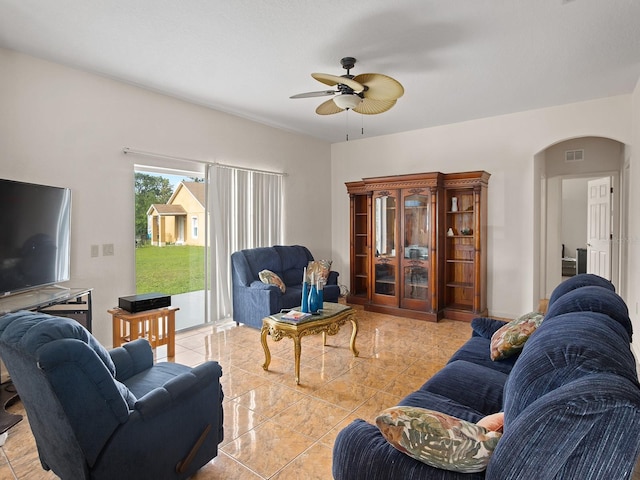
{"x": 245, "y": 211}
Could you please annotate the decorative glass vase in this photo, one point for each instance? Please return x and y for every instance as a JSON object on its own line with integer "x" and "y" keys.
{"x": 304, "y": 305}
{"x": 313, "y": 296}
{"x": 320, "y": 294}
{"x": 454, "y": 204}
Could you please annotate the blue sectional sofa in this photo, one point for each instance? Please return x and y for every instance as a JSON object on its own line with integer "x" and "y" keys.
{"x": 253, "y": 300}
{"x": 571, "y": 398}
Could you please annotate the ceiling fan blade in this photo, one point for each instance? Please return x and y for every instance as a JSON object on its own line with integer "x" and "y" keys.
{"x": 380, "y": 87}
{"x": 332, "y": 80}
{"x": 328, "y": 108}
{"x": 322, "y": 93}
{"x": 371, "y": 106}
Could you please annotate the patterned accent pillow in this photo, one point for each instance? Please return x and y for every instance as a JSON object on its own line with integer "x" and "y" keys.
{"x": 320, "y": 269}
{"x": 493, "y": 422}
{"x": 270, "y": 278}
{"x": 437, "y": 439}
{"x": 510, "y": 339}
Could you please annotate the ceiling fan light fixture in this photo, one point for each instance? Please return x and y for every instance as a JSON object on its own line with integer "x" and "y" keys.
{"x": 347, "y": 101}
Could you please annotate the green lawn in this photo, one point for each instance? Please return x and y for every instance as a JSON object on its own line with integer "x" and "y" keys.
{"x": 170, "y": 270}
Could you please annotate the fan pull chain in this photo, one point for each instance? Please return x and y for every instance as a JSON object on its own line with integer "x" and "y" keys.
{"x": 347, "y": 123}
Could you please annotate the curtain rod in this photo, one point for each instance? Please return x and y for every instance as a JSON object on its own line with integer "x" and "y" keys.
{"x": 127, "y": 150}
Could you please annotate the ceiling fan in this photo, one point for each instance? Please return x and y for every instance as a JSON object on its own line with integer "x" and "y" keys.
{"x": 367, "y": 93}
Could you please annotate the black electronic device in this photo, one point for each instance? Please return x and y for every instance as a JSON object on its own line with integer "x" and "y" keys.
{"x": 35, "y": 236}
{"x": 145, "y": 301}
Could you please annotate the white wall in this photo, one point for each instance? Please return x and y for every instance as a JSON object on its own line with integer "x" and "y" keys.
{"x": 504, "y": 146}
{"x": 574, "y": 215}
{"x": 63, "y": 127}
{"x": 632, "y": 242}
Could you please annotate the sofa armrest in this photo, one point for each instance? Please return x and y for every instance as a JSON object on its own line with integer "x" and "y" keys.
{"x": 163, "y": 398}
{"x": 485, "y": 327}
{"x": 332, "y": 279}
{"x": 132, "y": 358}
{"x": 360, "y": 452}
{"x": 259, "y": 285}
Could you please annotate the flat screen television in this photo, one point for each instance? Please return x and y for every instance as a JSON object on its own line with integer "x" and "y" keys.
{"x": 35, "y": 236}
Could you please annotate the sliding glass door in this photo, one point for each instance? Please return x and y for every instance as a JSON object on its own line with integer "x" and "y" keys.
{"x": 170, "y": 217}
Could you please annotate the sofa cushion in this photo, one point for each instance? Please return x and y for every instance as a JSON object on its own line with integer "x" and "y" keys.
{"x": 441, "y": 403}
{"x": 574, "y": 345}
{"x": 468, "y": 384}
{"x": 579, "y": 281}
{"x": 293, "y": 259}
{"x": 270, "y": 278}
{"x": 263, "y": 258}
{"x": 594, "y": 299}
{"x": 437, "y": 439}
{"x": 578, "y": 431}
{"x": 477, "y": 350}
{"x": 292, "y": 297}
{"x": 510, "y": 338}
{"x": 485, "y": 327}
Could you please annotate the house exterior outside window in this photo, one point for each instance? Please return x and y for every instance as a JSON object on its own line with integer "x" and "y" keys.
{"x": 194, "y": 227}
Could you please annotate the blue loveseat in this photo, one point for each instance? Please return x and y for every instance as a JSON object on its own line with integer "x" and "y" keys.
{"x": 253, "y": 300}
{"x": 571, "y": 398}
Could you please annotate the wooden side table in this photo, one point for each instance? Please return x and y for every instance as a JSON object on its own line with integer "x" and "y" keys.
{"x": 157, "y": 326}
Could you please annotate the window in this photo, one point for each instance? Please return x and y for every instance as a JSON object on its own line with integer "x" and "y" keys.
{"x": 194, "y": 227}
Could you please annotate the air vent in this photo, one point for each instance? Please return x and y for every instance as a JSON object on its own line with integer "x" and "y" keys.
{"x": 574, "y": 156}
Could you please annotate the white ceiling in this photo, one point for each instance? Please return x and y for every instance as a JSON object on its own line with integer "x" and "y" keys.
{"x": 457, "y": 59}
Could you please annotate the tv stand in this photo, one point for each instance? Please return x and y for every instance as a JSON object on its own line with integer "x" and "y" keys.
{"x": 55, "y": 300}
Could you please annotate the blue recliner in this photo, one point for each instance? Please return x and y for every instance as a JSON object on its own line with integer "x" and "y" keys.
{"x": 254, "y": 300}
{"x": 103, "y": 415}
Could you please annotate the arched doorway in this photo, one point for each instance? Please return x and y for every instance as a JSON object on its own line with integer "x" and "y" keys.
{"x": 562, "y": 170}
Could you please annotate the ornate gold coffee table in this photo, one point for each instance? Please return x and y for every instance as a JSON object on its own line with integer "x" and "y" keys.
{"x": 333, "y": 316}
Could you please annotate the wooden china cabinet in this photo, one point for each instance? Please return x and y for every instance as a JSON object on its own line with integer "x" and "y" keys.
{"x": 401, "y": 261}
{"x": 394, "y": 264}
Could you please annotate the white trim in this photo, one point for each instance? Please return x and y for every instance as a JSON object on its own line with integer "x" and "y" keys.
{"x": 127, "y": 150}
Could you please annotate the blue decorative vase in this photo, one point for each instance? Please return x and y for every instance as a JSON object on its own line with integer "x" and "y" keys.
{"x": 304, "y": 305}
{"x": 313, "y": 298}
{"x": 320, "y": 295}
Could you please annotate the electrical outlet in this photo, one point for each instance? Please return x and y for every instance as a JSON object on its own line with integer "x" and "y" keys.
{"x": 95, "y": 250}
{"x": 107, "y": 249}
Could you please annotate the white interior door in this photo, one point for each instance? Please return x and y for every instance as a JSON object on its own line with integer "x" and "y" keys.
{"x": 599, "y": 227}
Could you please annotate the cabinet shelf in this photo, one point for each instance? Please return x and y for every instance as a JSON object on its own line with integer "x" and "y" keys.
{"x": 459, "y": 285}
{"x": 454, "y": 260}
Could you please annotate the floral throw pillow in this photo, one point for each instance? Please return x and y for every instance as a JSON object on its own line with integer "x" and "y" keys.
{"x": 320, "y": 270}
{"x": 437, "y": 439}
{"x": 510, "y": 339}
{"x": 270, "y": 278}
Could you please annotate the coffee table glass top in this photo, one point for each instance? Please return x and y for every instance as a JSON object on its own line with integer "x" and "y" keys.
{"x": 328, "y": 310}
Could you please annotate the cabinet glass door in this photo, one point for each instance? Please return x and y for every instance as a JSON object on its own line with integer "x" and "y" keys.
{"x": 415, "y": 259}
{"x": 384, "y": 233}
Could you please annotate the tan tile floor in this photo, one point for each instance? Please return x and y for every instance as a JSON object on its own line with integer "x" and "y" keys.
{"x": 275, "y": 429}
